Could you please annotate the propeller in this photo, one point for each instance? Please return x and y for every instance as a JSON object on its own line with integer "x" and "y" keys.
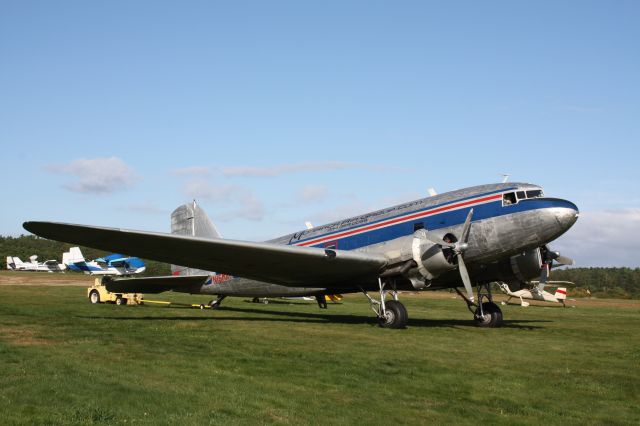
{"x": 458, "y": 248}
{"x": 548, "y": 256}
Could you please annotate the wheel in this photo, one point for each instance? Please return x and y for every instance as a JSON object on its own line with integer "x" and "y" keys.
{"x": 121, "y": 301}
{"x": 395, "y": 316}
{"x": 255, "y": 300}
{"x": 201, "y": 306}
{"x": 94, "y": 297}
{"x": 492, "y": 315}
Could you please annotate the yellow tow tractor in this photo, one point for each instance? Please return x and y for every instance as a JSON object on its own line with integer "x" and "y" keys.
{"x": 98, "y": 293}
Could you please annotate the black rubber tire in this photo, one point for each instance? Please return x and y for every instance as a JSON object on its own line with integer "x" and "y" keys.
{"x": 121, "y": 301}
{"x": 492, "y": 316}
{"x": 396, "y": 316}
{"x": 94, "y": 297}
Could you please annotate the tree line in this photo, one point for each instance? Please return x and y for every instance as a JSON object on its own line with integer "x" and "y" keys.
{"x": 619, "y": 283}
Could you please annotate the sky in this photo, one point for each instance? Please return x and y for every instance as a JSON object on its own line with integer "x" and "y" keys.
{"x": 273, "y": 113}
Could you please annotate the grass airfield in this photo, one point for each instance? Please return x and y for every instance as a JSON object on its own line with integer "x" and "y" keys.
{"x": 63, "y": 360}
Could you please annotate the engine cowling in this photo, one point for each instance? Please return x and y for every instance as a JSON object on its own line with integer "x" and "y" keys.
{"x": 526, "y": 266}
{"x": 431, "y": 259}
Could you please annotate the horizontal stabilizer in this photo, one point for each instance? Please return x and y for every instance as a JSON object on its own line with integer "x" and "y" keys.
{"x": 153, "y": 285}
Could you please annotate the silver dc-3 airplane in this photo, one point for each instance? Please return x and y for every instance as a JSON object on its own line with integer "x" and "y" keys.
{"x": 464, "y": 238}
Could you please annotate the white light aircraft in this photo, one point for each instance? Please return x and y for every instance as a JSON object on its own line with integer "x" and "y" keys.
{"x": 15, "y": 264}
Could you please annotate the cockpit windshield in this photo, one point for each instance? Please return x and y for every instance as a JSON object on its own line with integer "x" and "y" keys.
{"x": 510, "y": 198}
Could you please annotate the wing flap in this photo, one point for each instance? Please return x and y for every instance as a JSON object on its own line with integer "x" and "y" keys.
{"x": 278, "y": 264}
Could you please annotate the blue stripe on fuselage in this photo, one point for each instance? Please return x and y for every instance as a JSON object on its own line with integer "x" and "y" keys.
{"x": 437, "y": 221}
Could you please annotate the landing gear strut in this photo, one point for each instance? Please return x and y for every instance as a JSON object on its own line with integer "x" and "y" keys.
{"x": 215, "y": 304}
{"x": 391, "y": 314}
{"x": 485, "y": 313}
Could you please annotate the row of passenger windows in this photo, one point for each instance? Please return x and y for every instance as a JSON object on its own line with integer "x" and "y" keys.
{"x": 514, "y": 197}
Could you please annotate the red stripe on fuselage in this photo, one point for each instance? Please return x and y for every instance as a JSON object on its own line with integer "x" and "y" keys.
{"x": 561, "y": 292}
{"x": 401, "y": 219}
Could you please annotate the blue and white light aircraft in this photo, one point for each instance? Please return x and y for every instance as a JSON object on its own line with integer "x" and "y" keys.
{"x": 465, "y": 238}
{"x": 114, "y": 264}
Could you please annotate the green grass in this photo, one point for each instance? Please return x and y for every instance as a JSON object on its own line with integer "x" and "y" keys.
{"x": 65, "y": 361}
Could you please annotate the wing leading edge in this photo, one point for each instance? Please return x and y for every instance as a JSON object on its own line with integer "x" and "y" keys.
{"x": 291, "y": 266}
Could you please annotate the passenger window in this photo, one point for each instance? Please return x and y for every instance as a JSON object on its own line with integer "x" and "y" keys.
{"x": 509, "y": 198}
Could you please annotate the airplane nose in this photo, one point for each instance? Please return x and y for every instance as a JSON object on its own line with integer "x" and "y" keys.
{"x": 566, "y": 213}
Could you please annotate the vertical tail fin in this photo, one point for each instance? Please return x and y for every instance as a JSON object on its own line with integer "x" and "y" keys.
{"x": 74, "y": 255}
{"x": 17, "y": 261}
{"x": 10, "y": 265}
{"x": 191, "y": 220}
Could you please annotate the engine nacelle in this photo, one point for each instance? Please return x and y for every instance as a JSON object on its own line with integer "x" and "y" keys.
{"x": 526, "y": 266}
{"x": 430, "y": 257}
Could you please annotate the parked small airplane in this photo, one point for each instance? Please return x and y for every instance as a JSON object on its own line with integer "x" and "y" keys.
{"x": 15, "y": 264}
{"x": 537, "y": 292}
{"x": 464, "y": 238}
{"x": 114, "y": 264}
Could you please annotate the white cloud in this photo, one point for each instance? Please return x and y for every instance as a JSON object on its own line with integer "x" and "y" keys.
{"x": 97, "y": 175}
{"x": 192, "y": 171}
{"x": 273, "y": 171}
{"x": 146, "y": 207}
{"x": 313, "y": 194}
{"x": 603, "y": 238}
{"x": 235, "y": 201}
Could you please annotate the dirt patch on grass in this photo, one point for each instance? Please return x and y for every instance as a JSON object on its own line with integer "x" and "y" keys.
{"x": 44, "y": 279}
{"x": 20, "y": 336}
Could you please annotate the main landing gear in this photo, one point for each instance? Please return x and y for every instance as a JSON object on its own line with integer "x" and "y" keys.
{"x": 391, "y": 314}
{"x": 485, "y": 312}
{"x": 215, "y": 304}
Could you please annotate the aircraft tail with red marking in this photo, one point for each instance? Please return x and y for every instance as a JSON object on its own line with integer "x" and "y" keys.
{"x": 561, "y": 293}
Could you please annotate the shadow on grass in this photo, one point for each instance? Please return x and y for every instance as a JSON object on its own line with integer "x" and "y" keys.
{"x": 319, "y": 318}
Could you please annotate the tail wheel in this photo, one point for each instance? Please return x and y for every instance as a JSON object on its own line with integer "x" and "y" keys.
{"x": 492, "y": 315}
{"x": 395, "y": 315}
{"x": 94, "y": 297}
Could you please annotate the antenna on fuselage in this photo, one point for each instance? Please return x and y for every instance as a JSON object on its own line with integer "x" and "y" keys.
{"x": 505, "y": 178}
{"x": 432, "y": 192}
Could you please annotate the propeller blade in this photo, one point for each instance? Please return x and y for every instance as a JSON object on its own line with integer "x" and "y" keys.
{"x": 429, "y": 236}
{"x": 466, "y": 228}
{"x": 564, "y": 260}
{"x": 464, "y": 274}
{"x": 544, "y": 274}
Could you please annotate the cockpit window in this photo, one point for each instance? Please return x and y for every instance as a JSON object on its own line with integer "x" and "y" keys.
{"x": 509, "y": 198}
{"x": 514, "y": 197}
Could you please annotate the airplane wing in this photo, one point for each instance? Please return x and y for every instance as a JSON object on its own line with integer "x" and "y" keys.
{"x": 291, "y": 266}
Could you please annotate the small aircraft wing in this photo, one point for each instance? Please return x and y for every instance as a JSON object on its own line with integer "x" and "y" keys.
{"x": 556, "y": 284}
{"x": 291, "y": 266}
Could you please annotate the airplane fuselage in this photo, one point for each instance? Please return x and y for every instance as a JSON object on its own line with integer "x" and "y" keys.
{"x": 510, "y": 222}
